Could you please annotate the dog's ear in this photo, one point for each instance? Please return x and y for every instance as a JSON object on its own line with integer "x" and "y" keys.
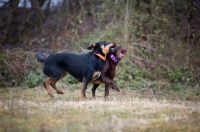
{"x": 92, "y": 46}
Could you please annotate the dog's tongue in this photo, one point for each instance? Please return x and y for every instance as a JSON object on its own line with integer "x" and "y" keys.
{"x": 123, "y": 52}
{"x": 122, "y": 55}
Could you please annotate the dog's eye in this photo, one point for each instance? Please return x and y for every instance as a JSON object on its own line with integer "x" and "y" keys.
{"x": 113, "y": 46}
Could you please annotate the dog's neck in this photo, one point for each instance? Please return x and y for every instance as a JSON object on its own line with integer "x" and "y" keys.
{"x": 113, "y": 58}
{"x": 100, "y": 56}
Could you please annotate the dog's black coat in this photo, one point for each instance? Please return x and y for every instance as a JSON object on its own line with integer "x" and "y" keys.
{"x": 80, "y": 66}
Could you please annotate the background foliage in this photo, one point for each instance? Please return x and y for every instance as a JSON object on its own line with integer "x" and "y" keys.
{"x": 162, "y": 37}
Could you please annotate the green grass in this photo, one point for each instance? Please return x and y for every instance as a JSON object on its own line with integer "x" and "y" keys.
{"x": 23, "y": 109}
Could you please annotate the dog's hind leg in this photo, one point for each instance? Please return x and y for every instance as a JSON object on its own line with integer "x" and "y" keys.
{"x": 46, "y": 85}
{"x": 53, "y": 83}
{"x": 94, "y": 89}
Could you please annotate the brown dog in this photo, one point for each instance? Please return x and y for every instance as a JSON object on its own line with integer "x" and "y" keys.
{"x": 108, "y": 71}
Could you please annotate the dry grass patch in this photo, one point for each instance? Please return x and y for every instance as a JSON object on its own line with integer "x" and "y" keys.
{"x": 23, "y": 109}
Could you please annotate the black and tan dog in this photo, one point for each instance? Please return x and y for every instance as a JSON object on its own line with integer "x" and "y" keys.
{"x": 83, "y": 67}
{"x": 108, "y": 71}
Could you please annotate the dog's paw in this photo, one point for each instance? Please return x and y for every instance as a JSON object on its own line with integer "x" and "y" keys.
{"x": 80, "y": 98}
{"x": 106, "y": 98}
{"x": 60, "y": 92}
{"x": 51, "y": 95}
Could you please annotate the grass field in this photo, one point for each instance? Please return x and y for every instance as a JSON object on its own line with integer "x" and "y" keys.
{"x": 32, "y": 110}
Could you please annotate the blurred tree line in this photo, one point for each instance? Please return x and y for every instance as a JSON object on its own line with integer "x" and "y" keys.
{"x": 19, "y": 17}
{"x": 16, "y": 21}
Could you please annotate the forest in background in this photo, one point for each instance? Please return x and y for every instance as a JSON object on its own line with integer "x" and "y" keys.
{"x": 163, "y": 38}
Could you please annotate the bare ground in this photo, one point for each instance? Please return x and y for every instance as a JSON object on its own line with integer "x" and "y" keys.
{"x": 23, "y": 109}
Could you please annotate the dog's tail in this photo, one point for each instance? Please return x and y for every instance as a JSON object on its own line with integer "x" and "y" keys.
{"x": 40, "y": 57}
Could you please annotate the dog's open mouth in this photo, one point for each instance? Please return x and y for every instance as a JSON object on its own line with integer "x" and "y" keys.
{"x": 123, "y": 52}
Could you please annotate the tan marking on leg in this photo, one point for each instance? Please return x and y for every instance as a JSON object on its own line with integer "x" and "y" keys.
{"x": 96, "y": 74}
{"x": 63, "y": 74}
{"x": 81, "y": 96}
{"x": 97, "y": 81}
{"x": 46, "y": 85}
{"x": 53, "y": 83}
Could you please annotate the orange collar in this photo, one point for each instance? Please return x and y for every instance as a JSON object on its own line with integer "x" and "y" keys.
{"x": 99, "y": 55}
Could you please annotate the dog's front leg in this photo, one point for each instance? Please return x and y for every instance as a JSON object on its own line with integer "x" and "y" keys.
{"x": 110, "y": 82}
{"x": 107, "y": 89}
{"x": 84, "y": 84}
